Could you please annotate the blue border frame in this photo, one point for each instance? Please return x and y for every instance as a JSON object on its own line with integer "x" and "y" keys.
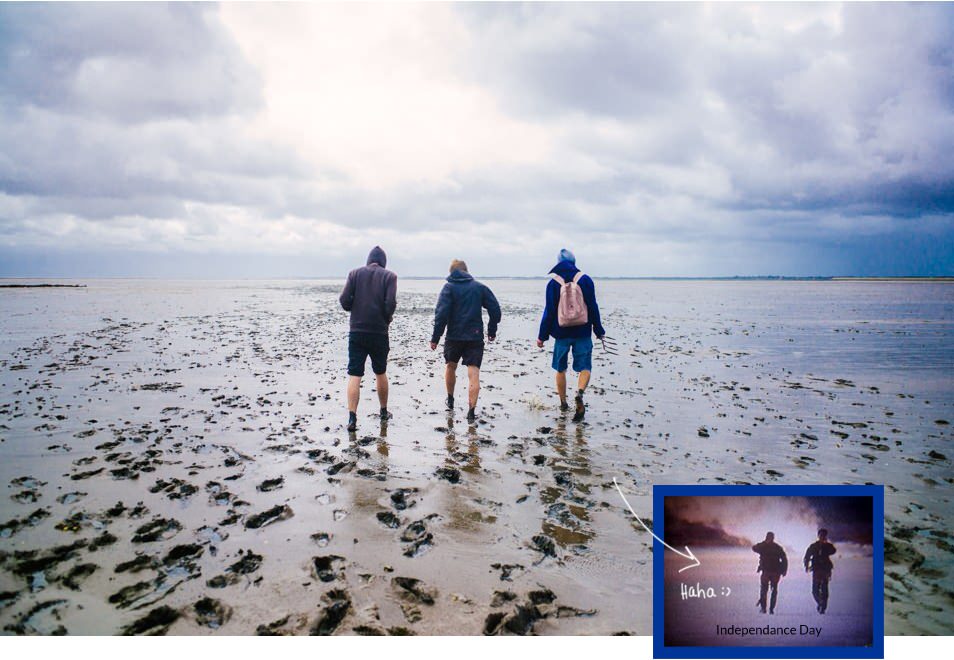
{"x": 876, "y": 650}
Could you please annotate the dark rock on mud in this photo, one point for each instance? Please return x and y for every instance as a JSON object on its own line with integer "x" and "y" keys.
{"x": 543, "y": 543}
{"x": 76, "y": 575}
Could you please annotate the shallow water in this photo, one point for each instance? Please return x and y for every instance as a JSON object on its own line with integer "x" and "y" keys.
{"x": 192, "y": 398}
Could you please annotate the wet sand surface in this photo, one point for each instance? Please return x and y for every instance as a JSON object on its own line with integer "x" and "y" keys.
{"x": 174, "y": 458}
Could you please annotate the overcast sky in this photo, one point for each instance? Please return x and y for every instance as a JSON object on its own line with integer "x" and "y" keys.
{"x": 259, "y": 140}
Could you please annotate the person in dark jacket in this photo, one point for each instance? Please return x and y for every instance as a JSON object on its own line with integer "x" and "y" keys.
{"x": 459, "y": 309}
{"x": 370, "y": 294}
{"x": 818, "y": 561}
{"x": 773, "y": 565}
{"x": 577, "y": 339}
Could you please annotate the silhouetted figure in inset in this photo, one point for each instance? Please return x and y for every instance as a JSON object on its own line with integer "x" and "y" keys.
{"x": 818, "y": 561}
{"x": 773, "y": 565}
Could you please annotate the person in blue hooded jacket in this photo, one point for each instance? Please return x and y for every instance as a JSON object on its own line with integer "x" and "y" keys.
{"x": 459, "y": 310}
{"x": 577, "y": 339}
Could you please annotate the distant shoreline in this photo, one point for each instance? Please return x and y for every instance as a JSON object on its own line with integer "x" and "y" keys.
{"x": 727, "y": 278}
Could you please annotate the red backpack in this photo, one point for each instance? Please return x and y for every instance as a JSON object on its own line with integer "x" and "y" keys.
{"x": 571, "y": 310}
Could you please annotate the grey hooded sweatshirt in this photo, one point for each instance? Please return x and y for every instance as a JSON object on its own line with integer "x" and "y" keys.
{"x": 370, "y": 294}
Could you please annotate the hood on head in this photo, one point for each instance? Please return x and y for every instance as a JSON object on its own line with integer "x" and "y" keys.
{"x": 459, "y": 276}
{"x": 565, "y": 269}
{"x": 377, "y": 256}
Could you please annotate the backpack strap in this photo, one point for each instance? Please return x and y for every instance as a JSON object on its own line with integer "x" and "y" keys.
{"x": 559, "y": 280}
{"x": 576, "y": 278}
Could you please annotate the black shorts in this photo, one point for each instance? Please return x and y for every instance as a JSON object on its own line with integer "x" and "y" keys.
{"x": 472, "y": 352}
{"x": 363, "y": 344}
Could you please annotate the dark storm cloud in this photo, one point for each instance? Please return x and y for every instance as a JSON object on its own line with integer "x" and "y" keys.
{"x": 681, "y": 140}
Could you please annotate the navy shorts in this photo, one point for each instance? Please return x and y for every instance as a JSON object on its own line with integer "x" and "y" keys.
{"x": 361, "y": 345}
{"x": 582, "y": 353}
{"x": 471, "y": 353}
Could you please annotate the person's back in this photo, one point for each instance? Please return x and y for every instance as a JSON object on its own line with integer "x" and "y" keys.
{"x": 773, "y": 565}
{"x": 575, "y": 337}
{"x": 459, "y": 310}
{"x": 772, "y": 558}
{"x": 370, "y": 294}
{"x": 460, "y": 307}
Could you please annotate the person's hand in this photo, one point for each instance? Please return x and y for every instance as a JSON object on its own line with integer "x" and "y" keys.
{"x": 600, "y": 337}
{"x": 539, "y": 343}
{"x": 491, "y": 337}
{"x": 433, "y": 345}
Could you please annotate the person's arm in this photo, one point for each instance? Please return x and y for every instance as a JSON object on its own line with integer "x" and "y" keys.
{"x": 441, "y": 312}
{"x": 347, "y": 295}
{"x": 784, "y": 564}
{"x": 548, "y": 310}
{"x": 390, "y": 297}
{"x": 493, "y": 311}
{"x": 831, "y": 549}
{"x": 808, "y": 557}
{"x": 757, "y": 547}
{"x": 593, "y": 309}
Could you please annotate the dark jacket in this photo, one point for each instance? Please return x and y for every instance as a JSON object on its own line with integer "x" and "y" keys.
{"x": 549, "y": 325}
{"x": 459, "y": 309}
{"x": 817, "y": 557}
{"x": 772, "y": 558}
{"x": 370, "y": 294}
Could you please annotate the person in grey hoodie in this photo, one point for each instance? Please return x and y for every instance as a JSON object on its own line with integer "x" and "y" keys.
{"x": 370, "y": 294}
{"x": 459, "y": 309}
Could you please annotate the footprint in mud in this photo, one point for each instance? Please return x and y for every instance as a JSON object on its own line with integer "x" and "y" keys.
{"x": 417, "y": 538}
{"x": 277, "y": 513}
{"x": 522, "y": 616}
{"x": 399, "y": 498}
{"x": 211, "y": 613}
{"x": 271, "y": 484}
{"x": 156, "y": 622}
{"x": 248, "y": 564}
{"x": 338, "y": 605}
{"x": 324, "y": 567}
{"x": 158, "y": 529}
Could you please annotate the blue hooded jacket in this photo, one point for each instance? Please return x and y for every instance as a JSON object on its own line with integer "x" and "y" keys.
{"x": 459, "y": 309}
{"x": 549, "y": 325}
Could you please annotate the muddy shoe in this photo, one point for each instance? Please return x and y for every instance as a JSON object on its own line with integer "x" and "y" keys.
{"x": 580, "y": 409}
{"x": 385, "y": 415}
{"x": 352, "y": 422}
{"x": 450, "y": 401}
{"x": 472, "y": 415}
{"x": 564, "y": 406}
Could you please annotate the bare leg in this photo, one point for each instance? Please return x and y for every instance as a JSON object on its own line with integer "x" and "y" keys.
{"x": 382, "y": 383}
{"x": 584, "y": 380}
{"x": 450, "y": 377}
{"x": 473, "y": 374}
{"x": 561, "y": 385}
{"x": 354, "y": 392}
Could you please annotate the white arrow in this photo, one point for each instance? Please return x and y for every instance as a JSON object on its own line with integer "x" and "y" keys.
{"x": 687, "y": 554}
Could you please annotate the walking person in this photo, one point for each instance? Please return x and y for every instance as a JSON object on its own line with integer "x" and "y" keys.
{"x": 818, "y": 561}
{"x": 459, "y": 310}
{"x": 370, "y": 294}
{"x": 571, "y": 316}
{"x": 773, "y": 564}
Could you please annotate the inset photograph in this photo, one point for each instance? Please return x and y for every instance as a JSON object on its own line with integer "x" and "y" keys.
{"x": 781, "y": 567}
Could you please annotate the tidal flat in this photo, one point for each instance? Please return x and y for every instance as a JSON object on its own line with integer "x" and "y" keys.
{"x": 174, "y": 459}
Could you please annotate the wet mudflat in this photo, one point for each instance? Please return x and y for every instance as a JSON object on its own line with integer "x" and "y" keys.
{"x": 174, "y": 460}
